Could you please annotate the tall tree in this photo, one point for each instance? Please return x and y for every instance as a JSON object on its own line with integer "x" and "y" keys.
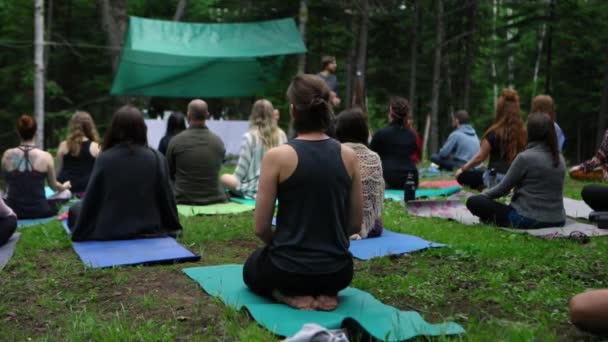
{"x": 39, "y": 70}
{"x": 434, "y": 134}
{"x": 603, "y": 113}
{"x": 303, "y": 19}
{"x": 180, "y": 10}
{"x": 414, "y": 51}
{"x": 362, "y": 47}
{"x": 351, "y": 64}
{"x": 549, "y": 46}
{"x": 469, "y": 47}
{"x": 113, "y": 15}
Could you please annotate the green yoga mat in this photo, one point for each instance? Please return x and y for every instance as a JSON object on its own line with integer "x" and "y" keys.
{"x": 243, "y": 201}
{"x": 214, "y": 209}
{"x": 381, "y": 321}
{"x": 397, "y": 194}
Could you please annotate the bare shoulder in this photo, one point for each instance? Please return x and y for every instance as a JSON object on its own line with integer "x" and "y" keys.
{"x": 349, "y": 158}
{"x": 280, "y": 152}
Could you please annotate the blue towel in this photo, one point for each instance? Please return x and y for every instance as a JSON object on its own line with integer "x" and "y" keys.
{"x": 389, "y": 243}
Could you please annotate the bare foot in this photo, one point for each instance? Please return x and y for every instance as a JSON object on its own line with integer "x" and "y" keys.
{"x": 327, "y": 303}
{"x": 298, "y": 302}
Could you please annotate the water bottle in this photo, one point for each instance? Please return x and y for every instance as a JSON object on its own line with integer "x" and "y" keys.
{"x": 409, "y": 187}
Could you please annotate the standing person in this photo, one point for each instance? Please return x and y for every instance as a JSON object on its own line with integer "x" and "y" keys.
{"x": 195, "y": 157}
{"x": 537, "y": 179}
{"x": 544, "y": 104}
{"x": 8, "y": 222}
{"x": 397, "y": 145}
{"x": 501, "y": 142}
{"x": 328, "y": 74}
{"x": 352, "y": 130}
{"x": 26, "y": 168}
{"x": 175, "y": 125}
{"x": 461, "y": 146}
{"x": 76, "y": 155}
{"x": 263, "y": 135}
{"x": 305, "y": 261}
{"x": 129, "y": 195}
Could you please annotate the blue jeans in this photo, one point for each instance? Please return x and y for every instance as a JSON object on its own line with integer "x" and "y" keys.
{"x": 522, "y": 222}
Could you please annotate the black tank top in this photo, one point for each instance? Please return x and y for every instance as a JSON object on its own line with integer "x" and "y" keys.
{"x": 314, "y": 210}
{"x": 77, "y": 169}
{"x": 26, "y": 189}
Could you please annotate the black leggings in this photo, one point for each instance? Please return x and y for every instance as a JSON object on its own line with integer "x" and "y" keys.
{"x": 489, "y": 211}
{"x": 262, "y": 277}
{"x": 8, "y": 225}
{"x": 596, "y": 196}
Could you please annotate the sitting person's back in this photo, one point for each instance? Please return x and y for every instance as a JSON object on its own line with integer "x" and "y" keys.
{"x": 306, "y": 261}
{"x": 352, "y": 130}
{"x": 26, "y": 168}
{"x": 195, "y": 158}
{"x": 397, "y": 146}
{"x": 76, "y": 155}
{"x": 461, "y": 146}
{"x": 129, "y": 194}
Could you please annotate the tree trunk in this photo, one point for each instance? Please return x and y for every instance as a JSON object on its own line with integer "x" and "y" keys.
{"x": 114, "y": 22}
{"x": 434, "y": 137}
{"x": 362, "y": 50}
{"x": 539, "y": 54}
{"x": 39, "y": 70}
{"x": 549, "y": 47}
{"x": 414, "y": 54}
{"x": 603, "y": 113}
{"x": 180, "y": 10}
{"x": 469, "y": 46}
{"x": 351, "y": 67}
{"x": 303, "y": 19}
{"x": 510, "y": 57}
{"x": 495, "y": 42}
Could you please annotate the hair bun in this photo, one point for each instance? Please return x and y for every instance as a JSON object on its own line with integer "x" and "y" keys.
{"x": 25, "y": 121}
{"x": 509, "y": 94}
{"x": 317, "y": 102}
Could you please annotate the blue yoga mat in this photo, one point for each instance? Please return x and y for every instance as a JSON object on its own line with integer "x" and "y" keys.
{"x": 389, "y": 243}
{"x": 383, "y": 322}
{"x": 32, "y": 222}
{"x": 101, "y": 254}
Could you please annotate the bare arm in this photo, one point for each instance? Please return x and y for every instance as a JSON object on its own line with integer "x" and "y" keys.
{"x": 266, "y": 196}
{"x": 61, "y": 152}
{"x": 482, "y": 154}
{"x": 51, "y": 177}
{"x": 356, "y": 191}
{"x": 94, "y": 149}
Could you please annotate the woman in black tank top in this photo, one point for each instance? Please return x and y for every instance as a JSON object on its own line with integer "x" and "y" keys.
{"x": 306, "y": 261}
{"x": 76, "y": 155}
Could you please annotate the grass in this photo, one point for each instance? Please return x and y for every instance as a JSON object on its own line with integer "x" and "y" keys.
{"x": 497, "y": 285}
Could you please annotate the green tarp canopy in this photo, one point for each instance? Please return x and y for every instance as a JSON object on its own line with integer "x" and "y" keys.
{"x": 175, "y": 59}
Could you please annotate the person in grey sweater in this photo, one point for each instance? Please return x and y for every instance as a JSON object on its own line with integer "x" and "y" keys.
{"x": 461, "y": 146}
{"x": 537, "y": 179}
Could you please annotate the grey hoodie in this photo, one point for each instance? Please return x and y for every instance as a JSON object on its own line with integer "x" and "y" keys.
{"x": 462, "y": 144}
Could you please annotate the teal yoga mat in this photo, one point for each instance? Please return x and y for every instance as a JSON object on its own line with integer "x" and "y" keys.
{"x": 381, "y": 321}
{"x": 397, "y": 194}
{"x": 243, "y": 201}
{"x": 214, "y": 209}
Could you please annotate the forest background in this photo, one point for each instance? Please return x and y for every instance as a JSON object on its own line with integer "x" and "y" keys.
{"x": 443, "y": 55}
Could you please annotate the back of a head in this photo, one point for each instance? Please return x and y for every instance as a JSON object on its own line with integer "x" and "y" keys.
{"x": 26, "y": 127}
{"x": 508, "y": 126}
{"x": 262, "y": 123}
{"x": 127, "y": 126}
{"x": 543, "y": 104}
{"x": 399, "y": 109}
{"x": 462, "y": 116}
{"x": 198, "y": 110}
{"x": 327, "y": 60}
{"x": 81, "y": 125}
{"x": 175, "y": 124}
{"x": 309, "y": 96}
{"x": 351, "y": 126}
{"x": 541, "y": 129}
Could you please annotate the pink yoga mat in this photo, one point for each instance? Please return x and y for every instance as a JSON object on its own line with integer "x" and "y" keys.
{"x": 438, "y": 184}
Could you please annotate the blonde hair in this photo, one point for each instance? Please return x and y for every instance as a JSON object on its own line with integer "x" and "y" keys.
{"x": 262, "y": 124}
{"x": 81, "y": 125}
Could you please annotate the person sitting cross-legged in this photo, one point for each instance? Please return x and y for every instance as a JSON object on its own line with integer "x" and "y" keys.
{"x": 306, "y": 260}
{"x": 352, "y": 130}
{"x": 263, "y": 135}
{"x": 461, "y": 146}
{"x": 537, "y": 179}
{"x": 596, "y": 168}
{"x": 26, "y": 168}
{"x": 129, "y": 195}
{"x": 195, "y": 158}
{"x": 8, "y": 222}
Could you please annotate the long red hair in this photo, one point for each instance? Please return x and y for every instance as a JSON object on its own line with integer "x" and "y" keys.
{"x": 508, "y": 126}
